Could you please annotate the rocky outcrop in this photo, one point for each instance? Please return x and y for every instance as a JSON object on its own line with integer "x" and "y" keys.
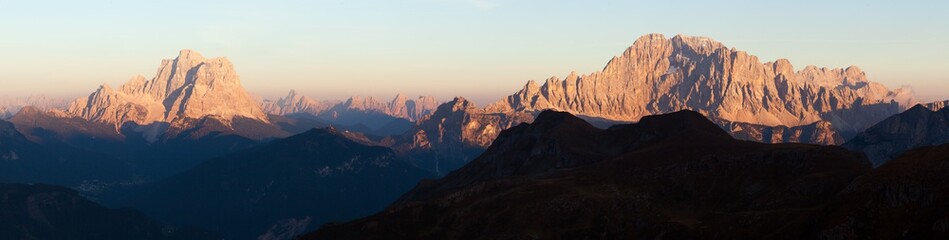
{"x": 937, "y": 105}
{"x": 463, "y": 122}
{"x": 455, "y": 133}
{"x": 189, "y": 86}
{"x": 400, "y": 106}
{"x": 819, "y": 132}
{"x": 919, "y": 126}
{"x": 659, "y": 75}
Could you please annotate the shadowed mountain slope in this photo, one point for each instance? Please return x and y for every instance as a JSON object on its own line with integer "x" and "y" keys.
{"x": 675, "y": 176}
{"x": 283, "y": 187}
{"x": 916, "y": 127}
{"x": 51, "y": 212}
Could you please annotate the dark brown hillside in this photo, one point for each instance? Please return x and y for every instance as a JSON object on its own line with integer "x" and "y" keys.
{"x": 669, "y": 176}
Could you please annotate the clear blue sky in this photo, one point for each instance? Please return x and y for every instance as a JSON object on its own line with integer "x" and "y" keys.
{"x": 481, "y": 49}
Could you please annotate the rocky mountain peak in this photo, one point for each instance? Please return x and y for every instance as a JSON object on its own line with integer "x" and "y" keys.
{"x": 919, "y": 109}
{"x": 292, "y": 96}
{"x": 399, "y": 98}
{"x": 189, "y": 86}
{"x": 783, "y": 67}
{"x": 459, "y": 104}
{"x": 702, "y": 45}
{"x": 650, "y": 40}
{"x": 188, "y": 54}
{"x": 363, "y": 103}
{"x": 659, "y": 75}
{"x": 104, "y": 88}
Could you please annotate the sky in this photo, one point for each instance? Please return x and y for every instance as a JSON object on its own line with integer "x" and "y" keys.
{"x": 480, "y": 49}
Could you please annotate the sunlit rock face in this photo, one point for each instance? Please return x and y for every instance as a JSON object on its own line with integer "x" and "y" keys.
{"x": 455, "y": 133}
{"x": 660, "y": 75}
{"x": 189, "y": 86}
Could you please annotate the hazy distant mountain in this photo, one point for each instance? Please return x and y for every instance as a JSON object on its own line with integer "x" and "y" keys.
{"x": 9, "y": 106}
{"x": 660, "y": 75}
{"x": 376, "y": 117}
{"x": 671, "y": 176}
{"x": 51, "y": 212}
{"x": 187, "y": 87}
{"x": 916, "y": 127}
{"x": 454, "y": 134}
{"x": 296, "y": 103}
{"x": 282, "y": 188}
{"x": 400, "y": 107}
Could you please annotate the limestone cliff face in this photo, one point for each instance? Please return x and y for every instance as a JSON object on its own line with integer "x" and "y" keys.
{"x": 819, "y": 132}
{"x": 189, "y": 86}
{"x": 660, "y": 75}
{"x": 462, "y": 122}
{"x": 400, "y": 106}
{"x": 455, "y": 133}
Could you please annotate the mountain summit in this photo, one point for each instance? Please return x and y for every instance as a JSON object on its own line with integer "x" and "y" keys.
{"x": 661, "y": 75}
{"x": 189, "y": 86}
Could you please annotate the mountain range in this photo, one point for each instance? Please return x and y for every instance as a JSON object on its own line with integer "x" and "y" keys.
{"x": 194, "y": 101}
{"x": 660, "y": 75}
{"x": 9, "y": 106}
{"x": 676, "y": 137}
{"x": 675, "y": 175}
{"x": 670, "y": 176}
{"x": 282, "y": 188}
{"x": 400, "y": 107}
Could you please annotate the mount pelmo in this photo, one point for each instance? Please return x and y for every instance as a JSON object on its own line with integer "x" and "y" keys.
{"x": 187, "y": 87}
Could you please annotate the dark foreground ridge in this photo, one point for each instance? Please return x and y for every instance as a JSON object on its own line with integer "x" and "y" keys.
{"x": 51, "y": 212}
{"x": 670, "y": 176}
{"x": 282, "y": 188}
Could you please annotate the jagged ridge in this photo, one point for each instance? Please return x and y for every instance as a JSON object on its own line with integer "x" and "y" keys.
{"x": 189, "y": 86}
{"x": 659, "y": 75}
